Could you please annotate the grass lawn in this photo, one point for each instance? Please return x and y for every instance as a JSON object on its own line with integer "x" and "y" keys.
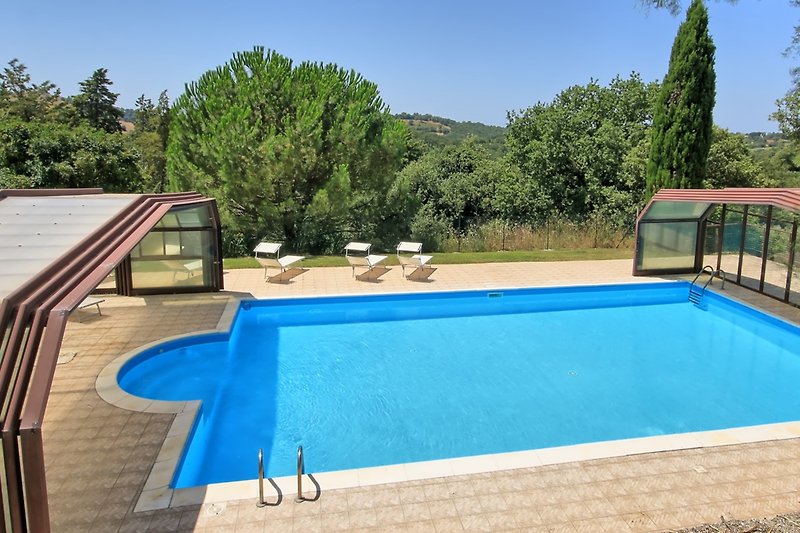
{"x": 457, "y": 258}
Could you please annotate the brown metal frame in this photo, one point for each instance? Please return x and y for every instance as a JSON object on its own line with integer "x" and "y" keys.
{"x": 765, "y": 250}
{"x": 37, "y": 313}
{"x": 722, "y": 218}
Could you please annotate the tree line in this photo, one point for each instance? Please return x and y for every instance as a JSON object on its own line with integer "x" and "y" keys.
{"x": 310, "y": 154}
{"x": 51, "y": 141}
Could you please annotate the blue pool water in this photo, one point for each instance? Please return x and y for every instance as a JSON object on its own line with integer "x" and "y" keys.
{"x": 367, "y": 381}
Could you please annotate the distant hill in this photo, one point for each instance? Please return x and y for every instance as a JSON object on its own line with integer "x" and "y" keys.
{"x": 761, "y": 139}
{"x": 439, "y": 131}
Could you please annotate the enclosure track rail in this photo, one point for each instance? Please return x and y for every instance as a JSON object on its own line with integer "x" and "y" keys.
{"x": 696, "y": 293}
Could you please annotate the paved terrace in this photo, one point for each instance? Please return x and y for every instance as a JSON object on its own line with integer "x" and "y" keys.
{"x": 99, "y": 456}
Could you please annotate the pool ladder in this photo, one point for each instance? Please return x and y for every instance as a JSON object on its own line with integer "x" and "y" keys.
{"x": 300, "y": 471}
{"x": 696, "y": 293}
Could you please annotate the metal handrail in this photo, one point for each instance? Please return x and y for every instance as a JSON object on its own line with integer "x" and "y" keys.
{"x": 711, "y": 273}
{"x": 261, "y": 501}
{"x": 724, "y": 278}
{"x": 708, "y": 268}
{"x": 300, "y": 468}
{"x": 717, "y": 273}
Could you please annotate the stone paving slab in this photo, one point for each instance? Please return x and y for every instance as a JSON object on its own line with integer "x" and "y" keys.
{"x": 98, "y": 456}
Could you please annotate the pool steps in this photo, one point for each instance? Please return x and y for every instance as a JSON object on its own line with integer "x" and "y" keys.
{"x": 695, "y": 293}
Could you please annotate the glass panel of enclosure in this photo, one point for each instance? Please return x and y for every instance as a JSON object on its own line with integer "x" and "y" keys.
{"x": 177, "y": 253}
{"x": 753, "y": 251}
{"x": 661, "y": 210}
{"x": 794, "y": 293}
{"x": 731, "y": 240}
{"x": 714, "y": 236}
{"x": 777, "y": 267}
{"x": 667, "y": 245}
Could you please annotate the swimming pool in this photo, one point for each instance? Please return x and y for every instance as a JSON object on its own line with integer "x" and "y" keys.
{"x": 366, "y": 381}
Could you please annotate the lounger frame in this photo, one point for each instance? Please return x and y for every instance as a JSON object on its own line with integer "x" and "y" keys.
{"x": 416, "y": 261}
{"x": 268, "y": 254}
{"x": 357, "y": 254}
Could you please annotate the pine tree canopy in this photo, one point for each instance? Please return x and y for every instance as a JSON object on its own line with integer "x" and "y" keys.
{"x": 96, "y": 102}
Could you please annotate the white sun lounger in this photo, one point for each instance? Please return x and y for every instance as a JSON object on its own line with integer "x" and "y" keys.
{"x": 191, "y": 269}
{"x": 88, "y": 302}
{"x": 358, "y": 255}
{"x": 268, "y": 254}
{"x": 416, "y": 261}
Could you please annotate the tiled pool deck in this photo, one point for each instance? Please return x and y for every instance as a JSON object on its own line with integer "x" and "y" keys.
{"x": 99, "y": 457}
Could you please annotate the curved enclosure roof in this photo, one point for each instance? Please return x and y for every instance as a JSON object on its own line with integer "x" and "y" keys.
{"x": 37, "y": 230}
{"x": 785, "y": 198}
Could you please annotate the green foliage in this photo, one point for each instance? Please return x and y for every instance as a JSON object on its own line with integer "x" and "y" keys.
{"x": 151, "y": 160}
{"x": 730, "y": 163}
{"x": 682, "y": 118}
{"x": 788, "y": 115}
{"x": 235, "y": 244}
{"x": 145, "y": 115}
{"x": 571, "y": 152}
{"x": 781, "y": 163}
{"x": 21, "y": 99}
{"x": 53, "y": 155}
{"x": 149, "y": 139}
{"x": 9, "y": 180}
{"x": 95, "y": 103}
{"x": 438, "y": 132}
{"x": 516, "y": 199}
{"x": 163, "y": 115}
{"x": 453, "y": 187}
{"x": 44, "y": 142}
{"x": 282, "y": 147}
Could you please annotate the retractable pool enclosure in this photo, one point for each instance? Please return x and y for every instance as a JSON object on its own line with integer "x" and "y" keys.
{"x": 750, "y": 234}
{"x": 56, "y": 247}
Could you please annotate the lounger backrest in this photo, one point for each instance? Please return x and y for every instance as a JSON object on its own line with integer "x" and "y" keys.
{"x": 357, "y": 247}
{"x": 409, "y": 247}
{"x": 357, "y": 252}
{"x": 267, "y": 253}
{"x": 267, "y": 248}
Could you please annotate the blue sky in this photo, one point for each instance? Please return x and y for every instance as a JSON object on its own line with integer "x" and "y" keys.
{"x": 466, "y": 60}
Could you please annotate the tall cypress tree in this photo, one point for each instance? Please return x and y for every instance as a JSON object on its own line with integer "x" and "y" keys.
{"x": 682, "y": 119}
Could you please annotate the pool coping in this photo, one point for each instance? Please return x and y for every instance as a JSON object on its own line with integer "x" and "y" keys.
{"x": 157, "y": 494}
